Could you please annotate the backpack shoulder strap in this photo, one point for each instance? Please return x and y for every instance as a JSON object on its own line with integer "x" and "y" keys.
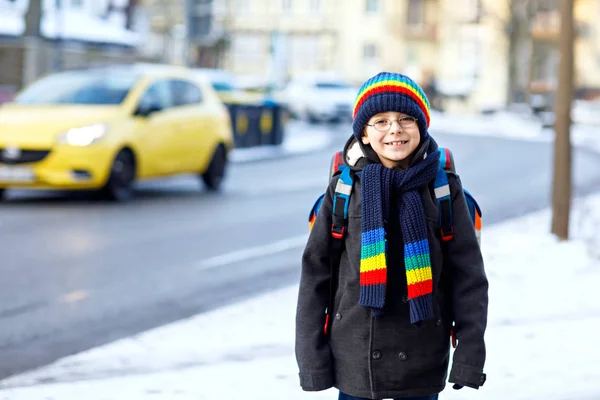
{"x": 341, "y": 201}
{"x": 441, "y": 188}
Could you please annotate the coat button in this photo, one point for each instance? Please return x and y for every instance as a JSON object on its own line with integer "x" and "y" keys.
{"x": 405, "y": 299}
{"x": 376, "y": 355}
{"x": 402, "y": 356}
{"x": 438, "y": 322}
{"x": 338, "y": 316}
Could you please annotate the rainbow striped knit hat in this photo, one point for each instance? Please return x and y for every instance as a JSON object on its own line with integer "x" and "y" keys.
{"x": 388, "y": 91}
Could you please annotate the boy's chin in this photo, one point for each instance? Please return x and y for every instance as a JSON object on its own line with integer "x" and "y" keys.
{"x": 397, "y": 157}
{"x": 395, "y": 161}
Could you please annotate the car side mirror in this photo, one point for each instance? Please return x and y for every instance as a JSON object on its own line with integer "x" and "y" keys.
{"x": 146, "y": 110}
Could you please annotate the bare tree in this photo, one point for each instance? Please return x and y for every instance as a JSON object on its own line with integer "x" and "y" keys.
{"x": 561, "y": 194}
{"x": 519, "y": 50}
{"x": 33, "y": 18}
{"x": 33, "y": 55}
{"x": 522, "y": 45}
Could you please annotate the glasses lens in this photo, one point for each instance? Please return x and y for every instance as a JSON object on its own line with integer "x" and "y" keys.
{"x": 407, "y": 122}
{"x": 382, "y": 125}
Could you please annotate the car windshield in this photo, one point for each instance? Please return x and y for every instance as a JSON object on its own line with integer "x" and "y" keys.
{"x": 332, "y": 85}
{"x": 79, "y": 87}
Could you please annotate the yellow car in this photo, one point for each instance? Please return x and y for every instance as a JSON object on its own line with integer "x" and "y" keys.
{"x": 105, "y": 128}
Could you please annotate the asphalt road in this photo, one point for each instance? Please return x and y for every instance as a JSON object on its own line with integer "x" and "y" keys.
{"x": 78, "y": 273}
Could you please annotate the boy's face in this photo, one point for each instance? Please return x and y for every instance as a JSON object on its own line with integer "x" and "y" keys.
{"x": 394, "y": 145}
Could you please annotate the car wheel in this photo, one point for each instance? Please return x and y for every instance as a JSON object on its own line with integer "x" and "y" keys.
{"x": 214, "y": 175}
{"x": 120, "y": 184}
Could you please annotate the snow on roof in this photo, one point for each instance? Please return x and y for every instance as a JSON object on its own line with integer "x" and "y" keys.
{"x": 11, "y": 24}
{"x": 78, "y": 25}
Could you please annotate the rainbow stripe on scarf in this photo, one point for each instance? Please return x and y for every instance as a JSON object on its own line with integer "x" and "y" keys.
{"x": 393, "y": 83}
{"x": 373, "y": 271}
{"x": 418, "y": 269}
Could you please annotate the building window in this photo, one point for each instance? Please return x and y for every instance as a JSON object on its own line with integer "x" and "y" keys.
{"x": 286, "y": 5}
{"x": 372, "y": 6}
{"x": 247, "y": 49}
{"x": 473, "y": 10}
{"x": 370, "y": 52}
{"x": 315, "y": 6}
{"x": 243, "y": 6}
{"x": 416, "y": 12}
{"x": 304, "y": 52}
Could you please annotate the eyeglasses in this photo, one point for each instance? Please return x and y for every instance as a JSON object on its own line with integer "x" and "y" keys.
{"x": 384, "y": 124}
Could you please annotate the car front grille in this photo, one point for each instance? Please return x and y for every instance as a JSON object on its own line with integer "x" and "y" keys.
{"x": 18, "y": 156}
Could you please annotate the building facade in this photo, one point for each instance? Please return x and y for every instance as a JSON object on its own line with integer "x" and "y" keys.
{"x": 42, "y": 36}
{"x": 280, "y": 38}
{"x": 461, "y": 45}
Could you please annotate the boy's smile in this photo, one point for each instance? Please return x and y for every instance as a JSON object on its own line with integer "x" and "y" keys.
{"x": 394, "y": 145}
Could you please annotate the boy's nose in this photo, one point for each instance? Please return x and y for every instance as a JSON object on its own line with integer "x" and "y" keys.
{"x": 395, "y": 126}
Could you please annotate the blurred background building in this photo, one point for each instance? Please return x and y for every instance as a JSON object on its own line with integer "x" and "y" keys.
{"x": 470, "y": 55}
{"x": 38, "y": 37}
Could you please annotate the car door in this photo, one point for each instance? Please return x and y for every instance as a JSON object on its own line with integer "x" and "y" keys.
{"x": 192, "y": 126}
{"x": 155, "y": 130}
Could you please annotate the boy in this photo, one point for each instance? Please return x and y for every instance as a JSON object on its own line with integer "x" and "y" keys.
{"x": 398, "y": 287}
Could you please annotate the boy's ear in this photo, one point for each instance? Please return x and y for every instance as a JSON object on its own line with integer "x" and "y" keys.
{"x": 364, "y": 137}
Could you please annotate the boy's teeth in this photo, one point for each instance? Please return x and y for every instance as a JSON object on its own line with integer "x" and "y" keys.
{"x": 397, "y": 143}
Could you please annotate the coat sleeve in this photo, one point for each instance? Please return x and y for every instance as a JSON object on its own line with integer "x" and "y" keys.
{"x": 469, "y": 295}
{"x": 312, "y": 347}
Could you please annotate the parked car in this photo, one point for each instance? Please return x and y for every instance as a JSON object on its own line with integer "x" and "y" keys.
{"x": 105, "y": 128}
{"x": 320, "y": 99}
{"x": 226, "y": 86}
{"x": 263, "y": 88}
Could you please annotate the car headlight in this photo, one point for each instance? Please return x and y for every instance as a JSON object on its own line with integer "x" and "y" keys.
{"x": 83, "y": 136}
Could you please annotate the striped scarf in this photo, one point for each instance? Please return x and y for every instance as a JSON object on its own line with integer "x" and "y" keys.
{"x": 378, "y": 183}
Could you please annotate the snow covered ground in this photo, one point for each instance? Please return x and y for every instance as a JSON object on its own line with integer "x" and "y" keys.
{"x": 512, "y": 125}
{"x": 542, "y": 338}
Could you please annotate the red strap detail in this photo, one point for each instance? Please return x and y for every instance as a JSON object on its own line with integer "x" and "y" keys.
{"x": 338, "y": 234}
{"x": 325, "y": 328}
{"x": 447, "y": 238}
{"x": 340, "y": 157}
{"x": 448, "y": 159}
{"x": 453, "y": 336}
{"x": 336, "y": 162}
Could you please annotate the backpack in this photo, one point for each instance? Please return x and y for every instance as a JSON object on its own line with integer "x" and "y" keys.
{"x": 341, "y": 201}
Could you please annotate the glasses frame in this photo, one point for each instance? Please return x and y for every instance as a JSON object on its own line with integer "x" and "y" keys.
{"x": 392, "y": 123}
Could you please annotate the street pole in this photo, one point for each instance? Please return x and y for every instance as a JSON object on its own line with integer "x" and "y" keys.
{"x": 519, "y": 38}
{"x": 58, "y": 50}
{"x": 561, "y": 196}
{"x": 33, "y": 56}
